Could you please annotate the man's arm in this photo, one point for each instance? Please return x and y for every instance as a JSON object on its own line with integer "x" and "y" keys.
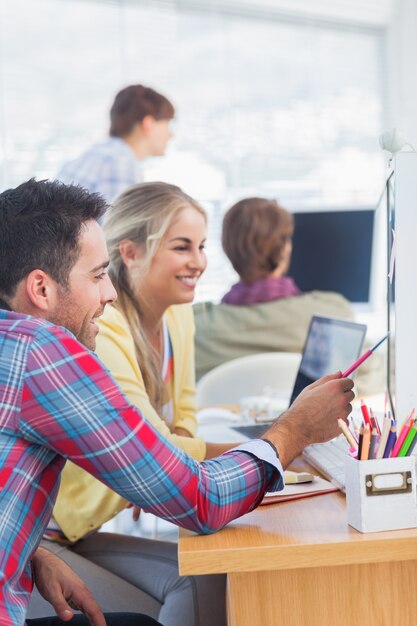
{"x": 312, "y": 417}
{"x": 58, "y": 584}
{"x": 71, "y": 405}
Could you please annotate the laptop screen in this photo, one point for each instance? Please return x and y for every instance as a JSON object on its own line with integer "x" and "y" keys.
{"x": 331, "y": 345}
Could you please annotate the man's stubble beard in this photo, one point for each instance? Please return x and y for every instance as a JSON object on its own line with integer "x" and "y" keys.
{"x": 66, "y": 314}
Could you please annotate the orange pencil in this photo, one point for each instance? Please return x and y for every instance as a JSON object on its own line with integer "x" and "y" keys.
{"x": 366, "y": 443}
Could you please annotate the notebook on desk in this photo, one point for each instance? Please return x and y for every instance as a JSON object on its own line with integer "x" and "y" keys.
{"x": 296, "y": 491}
{"x": 331, "y": 344}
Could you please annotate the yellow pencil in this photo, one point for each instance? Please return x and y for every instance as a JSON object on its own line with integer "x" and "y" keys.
{"x": 348, "y": 435}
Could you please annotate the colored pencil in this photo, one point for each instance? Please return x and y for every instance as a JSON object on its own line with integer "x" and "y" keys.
{"x": 409, "y": 440}
{"x": 361, "y": 432}
{"x": 347, "y": 433}
{"x": 384, "y": 436}
{"x": 405, "y": 429}
{"x": 392, "y": 438}
{"x": 366, "y": 441}
{"x": 372, "y": 445}
{"x": 365, "y": 414}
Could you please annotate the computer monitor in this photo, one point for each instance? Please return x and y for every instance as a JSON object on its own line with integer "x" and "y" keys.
{"x": 390, "y": 221}
{"x": 333, "y": 251}
{"x": 331, "y": 344}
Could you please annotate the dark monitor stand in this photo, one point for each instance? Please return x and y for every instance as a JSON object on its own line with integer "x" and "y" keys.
{"x": 332, "y": 251}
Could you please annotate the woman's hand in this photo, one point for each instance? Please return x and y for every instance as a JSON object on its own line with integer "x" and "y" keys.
{"x": 135, "y": 512}
{"x": 181, "y": 432}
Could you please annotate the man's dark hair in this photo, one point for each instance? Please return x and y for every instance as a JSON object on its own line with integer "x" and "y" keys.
{"x": 133, "y": 104}
{"x": 40, "y": 225}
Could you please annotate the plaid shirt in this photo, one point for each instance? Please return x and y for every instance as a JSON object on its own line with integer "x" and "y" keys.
{"x": 57, "y": 401}
{"x": 107, "y": 168}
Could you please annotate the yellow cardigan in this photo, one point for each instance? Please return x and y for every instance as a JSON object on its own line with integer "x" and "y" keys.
{"x": 83, "y": 502}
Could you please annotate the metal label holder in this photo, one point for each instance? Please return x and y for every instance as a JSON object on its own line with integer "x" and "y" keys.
{"x": 375, "y": 489}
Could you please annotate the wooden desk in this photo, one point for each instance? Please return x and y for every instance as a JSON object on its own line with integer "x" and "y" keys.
{"x": 299, "y": 564}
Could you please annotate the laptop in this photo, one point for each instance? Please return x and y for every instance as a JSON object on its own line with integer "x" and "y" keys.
{"x": 331, "y": 344}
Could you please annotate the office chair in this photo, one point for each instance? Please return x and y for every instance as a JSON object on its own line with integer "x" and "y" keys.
{"x": 249, "y": 376}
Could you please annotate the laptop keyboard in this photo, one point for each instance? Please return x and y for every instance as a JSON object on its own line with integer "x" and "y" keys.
{"x": 329, "y": 458}
{"x": 252, "y": 431}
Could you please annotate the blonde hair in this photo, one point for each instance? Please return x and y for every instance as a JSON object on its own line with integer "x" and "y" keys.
{"x": 142, "y": 214}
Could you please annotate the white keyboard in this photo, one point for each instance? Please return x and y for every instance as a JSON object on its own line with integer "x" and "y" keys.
{"x": 329, "y": 458}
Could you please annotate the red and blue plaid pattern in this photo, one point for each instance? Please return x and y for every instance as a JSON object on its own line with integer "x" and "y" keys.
{"x": 57, "y": 402}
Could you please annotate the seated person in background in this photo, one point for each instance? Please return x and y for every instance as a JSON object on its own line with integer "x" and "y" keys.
{"x": 58, "y": 402}
{"x": 155, "y": 236}
{"x": 139, "y": 128}
{"x": 265, "y": 311}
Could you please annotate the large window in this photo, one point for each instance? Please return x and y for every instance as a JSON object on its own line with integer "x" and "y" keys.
{"x": 284, "y": 108}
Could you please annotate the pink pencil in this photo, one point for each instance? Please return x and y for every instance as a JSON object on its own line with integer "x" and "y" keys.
{"x": 406, "y": 427}
{"x": 363, "y": 358}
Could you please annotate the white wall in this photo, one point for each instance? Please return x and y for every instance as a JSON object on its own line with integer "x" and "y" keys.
{"x": 402, "y": 55}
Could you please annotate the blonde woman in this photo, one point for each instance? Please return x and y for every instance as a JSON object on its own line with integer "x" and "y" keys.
{"x": 155, "y": 235}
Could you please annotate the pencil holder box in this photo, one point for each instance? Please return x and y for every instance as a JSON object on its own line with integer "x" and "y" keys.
{"x": 381, "y": 494}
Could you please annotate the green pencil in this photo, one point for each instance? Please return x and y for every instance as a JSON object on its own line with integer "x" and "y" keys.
{"x": 408, "y": 440}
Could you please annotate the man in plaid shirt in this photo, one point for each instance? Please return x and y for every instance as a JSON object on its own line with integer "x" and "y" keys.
{"x": 58, "y": 402}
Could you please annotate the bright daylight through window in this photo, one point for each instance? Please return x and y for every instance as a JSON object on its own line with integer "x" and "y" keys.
{"x": 281, "y": 108}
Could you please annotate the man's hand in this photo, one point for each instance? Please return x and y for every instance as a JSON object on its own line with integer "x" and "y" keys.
{"x": 312, "y": 418}
{"x": 60, "y": 586}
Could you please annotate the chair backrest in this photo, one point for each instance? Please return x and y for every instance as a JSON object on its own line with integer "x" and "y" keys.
{"x": 248, "y": 376}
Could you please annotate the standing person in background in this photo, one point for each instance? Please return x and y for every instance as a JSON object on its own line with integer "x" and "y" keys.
{"x": 139, "y": 128}
{"x": 265, "y": 311}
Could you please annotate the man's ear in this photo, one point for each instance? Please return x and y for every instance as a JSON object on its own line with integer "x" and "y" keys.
{"x": 146, "y": 124}
{"x": 130, "y": 252}
{"x": 41, "y": 290}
